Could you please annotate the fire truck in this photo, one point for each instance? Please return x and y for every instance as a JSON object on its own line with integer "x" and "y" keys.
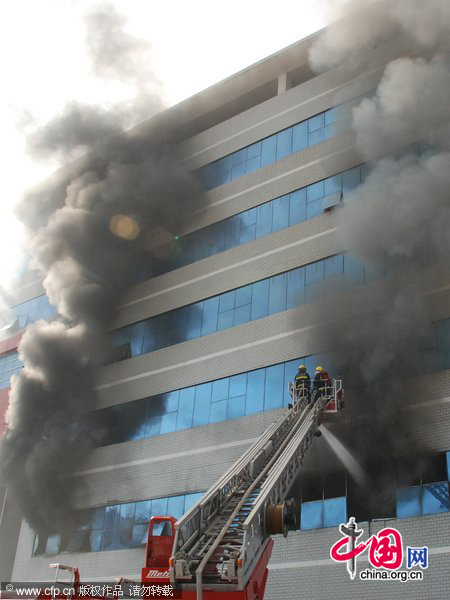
{"x": 220, "y": 549}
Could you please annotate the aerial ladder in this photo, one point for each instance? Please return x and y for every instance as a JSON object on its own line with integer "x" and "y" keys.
{"x": 220, "y": 549}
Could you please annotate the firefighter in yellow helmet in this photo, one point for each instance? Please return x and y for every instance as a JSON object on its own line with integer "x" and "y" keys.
{"x": 320, "y": 381}
{"x": 303, "y": 384}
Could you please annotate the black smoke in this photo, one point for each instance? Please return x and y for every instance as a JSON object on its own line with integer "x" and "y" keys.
{"x": 397, "y": 222}
{"x": 91, "y": 228}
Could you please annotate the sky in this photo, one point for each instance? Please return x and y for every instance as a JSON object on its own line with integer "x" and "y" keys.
{"x": 44, "y": 66}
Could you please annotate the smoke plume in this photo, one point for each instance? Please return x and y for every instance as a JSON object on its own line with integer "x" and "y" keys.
{"x": 397, "y": 221}
{"x": 91, "y": 234}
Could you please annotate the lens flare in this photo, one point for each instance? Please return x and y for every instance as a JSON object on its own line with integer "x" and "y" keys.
{"x": 124, "y": 226}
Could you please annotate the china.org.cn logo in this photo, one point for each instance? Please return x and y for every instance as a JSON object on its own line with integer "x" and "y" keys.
{"x": 385, "y": 554}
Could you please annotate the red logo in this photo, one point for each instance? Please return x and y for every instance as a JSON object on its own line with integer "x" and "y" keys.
{"x": 385, "y": 549}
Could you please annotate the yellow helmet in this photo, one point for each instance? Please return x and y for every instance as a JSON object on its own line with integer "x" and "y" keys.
{"x": 319, "y": 368}
{"x": 301, "y": 367}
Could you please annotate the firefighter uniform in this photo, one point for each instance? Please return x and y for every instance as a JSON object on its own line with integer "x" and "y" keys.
{"x": 303, "y": 384}
{"x": 319, "y": 383}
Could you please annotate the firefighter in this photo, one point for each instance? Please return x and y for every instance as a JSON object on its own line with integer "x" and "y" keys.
{"x": 319, "y": 383}
{"x": 303, "y": 384}
{"x": 327, "y": 382}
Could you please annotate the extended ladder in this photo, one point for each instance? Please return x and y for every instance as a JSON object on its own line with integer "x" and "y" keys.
{"x": 219, "y": 541}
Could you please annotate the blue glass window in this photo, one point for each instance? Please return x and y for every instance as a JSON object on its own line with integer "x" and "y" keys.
{"x": 433, "y": 498}
{"x": 28, "y": 312}
{"x": 10, "y": 364}
{"x": 227, "y": 398}
{"x": 230, "y": 309}
{"x": 422, "y": 500}
{"x": 311, "y": 515}
{"x": 275, "y": 147}
{"x": 274, "y": 215}
{"x": 323, "y": 513}
{"x": 120, "y": 526}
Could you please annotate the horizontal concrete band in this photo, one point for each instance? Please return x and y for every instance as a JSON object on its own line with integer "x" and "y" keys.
{"x": 282, "y": 175}
{"x": 190, "y": 452}
{"x": 232, "y": 266}
{"x": 209, "y": 356}
{"x": 328, "y": 561}
{"x": 207, "y": 449}
{"x": 273, "y": 117}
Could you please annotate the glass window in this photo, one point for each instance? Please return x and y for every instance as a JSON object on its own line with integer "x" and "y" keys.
{"x": 243, "y": 296}
{"x": 227, "y": 301}
{"x": 297, "y": 207}
{"x": 330, "y": 116}
{"x": 333, "y": 185}
{"x": 273, "y": 391}
{"x": 316, "y": 137}
{"x": 284, "y": 143}
{"x": 264, "y": 219}
{"x": 202, "y": 402}
{"x": 254, "y": 223}
{"x": 408, "y": 502}
{"x": 269, "y": 151}
{"x": 238, "y": 170}
{"x": 315, "y": 191}
{"x": 351, "y": 179}
{"x": 262, "y": 389}
{"x": 210, "y": 312}
{"x": 241, "y": 315}
{"x": 254, "y": 301}
{"x": 143, "y": 511}
{"x": 218, "y": 411}
{"x": 153, "y": 425}
{"x": 334, "y": 265}
{"x": 236, "y": 407}
{"x": 277, "y": 293}
{"x": 266, "y": 151}
{"x": 225, "y": 320}
{"x": 314, "y": 272}
{"x": 159, "y": 507}
{"x": 239, "y": 157}
{"x": 260, "y": 304}
{"x": 311, "y": 516}
{"x": 254, "y": 150}
{"x": 238, "y": 385}
{"x": 255, "y": 392}
{"x": 295, "y": 288}
{"x": 171, "y": 401}
{"x": 300, "y": 137}
{"x": 334, "y": 512}
{"x": 175, "y": 506}
{"x": 191, "y": 499}
{"x": 186, "y": 408}
{"x": 280, "y": 213}
{"x": 247, "y": 234}
{"x": 220, "y": 389}
{"x": 432, "y": 498}
{"x": 194, "y": 324}
{"x": 316, "y": 122}
{"x": 111, "y": 516}
{"x": 169, "y": 422}
{"x": 223, "y": 171}
{"x": 126, "y": 522}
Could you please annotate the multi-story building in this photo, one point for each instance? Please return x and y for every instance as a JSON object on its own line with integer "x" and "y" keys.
{"x": 219, "y": 327}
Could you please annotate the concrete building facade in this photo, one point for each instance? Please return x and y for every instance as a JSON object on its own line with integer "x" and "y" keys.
{"x": 181, "y": 453}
